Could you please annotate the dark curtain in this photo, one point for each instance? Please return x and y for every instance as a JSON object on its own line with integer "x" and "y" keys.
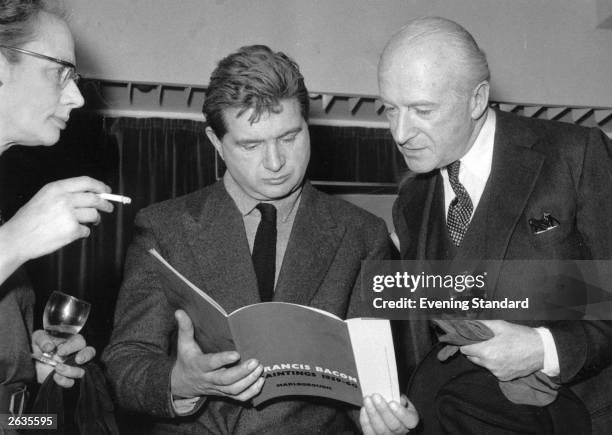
{"x": 354, "y": 154}
{"x": 151, "y": 160}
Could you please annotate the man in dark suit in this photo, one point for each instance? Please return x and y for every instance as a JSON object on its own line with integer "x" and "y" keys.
{"x": 256, "y": 108}
{"x": 478, "y": 176}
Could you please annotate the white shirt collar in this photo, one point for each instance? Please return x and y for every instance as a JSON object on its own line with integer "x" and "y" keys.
{"x": 475, "y": 164}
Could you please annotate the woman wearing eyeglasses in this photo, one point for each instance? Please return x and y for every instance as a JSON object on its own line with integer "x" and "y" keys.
{"x": 37, "y": 93}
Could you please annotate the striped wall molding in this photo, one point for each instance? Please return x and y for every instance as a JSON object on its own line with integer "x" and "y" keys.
{"x": 120, "y": 98}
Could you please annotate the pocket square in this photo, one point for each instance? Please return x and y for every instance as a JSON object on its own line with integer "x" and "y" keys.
{"x": 547, "y": 223}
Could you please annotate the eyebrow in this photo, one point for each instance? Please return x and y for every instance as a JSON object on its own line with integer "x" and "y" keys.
{"x": 295, "y": 130}
{"x": 423, "y": 103}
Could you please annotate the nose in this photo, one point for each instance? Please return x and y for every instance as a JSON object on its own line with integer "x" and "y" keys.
{"x": 403, "y": 128}
{"x": 71, "y": 95}
{"x": 273, "y": 160}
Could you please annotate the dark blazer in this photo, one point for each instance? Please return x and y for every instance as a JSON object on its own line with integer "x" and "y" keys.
{"x": 202, "y": 235}
{"x": 538, "y": 166}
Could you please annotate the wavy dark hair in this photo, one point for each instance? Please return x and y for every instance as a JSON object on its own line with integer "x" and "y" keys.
{"x": 254, "y": 77}
{"x": 18, "y": 23}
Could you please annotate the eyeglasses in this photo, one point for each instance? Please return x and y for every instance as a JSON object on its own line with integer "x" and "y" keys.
{"x": 66, "y": 73}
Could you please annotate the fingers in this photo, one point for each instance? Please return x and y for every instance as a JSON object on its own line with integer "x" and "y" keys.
{"x": 82, "y": 184}
{"x": 55, "y": 216}
{"x": 42, "y": 342}
{"x": 379, "y": 417}
{"x": 85, "y": 355}
{"x": 87, "y": 216}
{"x": 65, "y": 375}
{"x": 222, "y": 359}
{"x": 196, "y": 373}
{"x": 408, "y": 415}
{"x": 90, "y": 200}
{"x": 63, "y": 381}
{"x": 235, "y": 380}
{"x": 81, "y": 194}
{"x": 74, "y": 344}
{"x": 364, "y": 421}
{"x": 252, "y": 391}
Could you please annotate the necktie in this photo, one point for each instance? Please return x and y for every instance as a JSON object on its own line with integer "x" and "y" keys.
{"x": 264, "y": 251}
{"x": 460, "y": 208}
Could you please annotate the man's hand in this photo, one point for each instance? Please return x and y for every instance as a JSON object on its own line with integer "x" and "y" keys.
{"x": 56, "y": 216}
{"x": 64, "y": 374}
{"x": 515, "y": 350}
{"x": 377, "y": 417}
{"x": 217, "y": 374}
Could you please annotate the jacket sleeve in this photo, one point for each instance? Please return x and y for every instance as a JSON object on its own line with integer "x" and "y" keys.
{"x": 378, "y": 246}
{"x": 139, "y": 357}
{"x": 585, "y": 347}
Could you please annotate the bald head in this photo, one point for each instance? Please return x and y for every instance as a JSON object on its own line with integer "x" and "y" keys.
{"x": 441, "y": 42}
{"x": 433, "y": 81}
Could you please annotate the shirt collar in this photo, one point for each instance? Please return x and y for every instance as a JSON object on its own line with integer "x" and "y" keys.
{"x": 246, "y": 204}
{"x": 477, "y": 161}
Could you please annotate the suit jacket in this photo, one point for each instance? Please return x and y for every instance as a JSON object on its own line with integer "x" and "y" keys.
{"x": 202, "y": 235}
{"x": 538, "y": 166}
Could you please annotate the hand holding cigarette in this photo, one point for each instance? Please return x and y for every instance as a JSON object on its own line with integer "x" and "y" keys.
{"x": 61, "y": 212}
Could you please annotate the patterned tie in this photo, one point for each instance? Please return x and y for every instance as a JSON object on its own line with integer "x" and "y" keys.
{"x": 460, "y": 208}
{"x": 264, "y": 251}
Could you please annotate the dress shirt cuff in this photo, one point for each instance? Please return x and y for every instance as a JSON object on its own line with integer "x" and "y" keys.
{"x": 184, "y": 406}
{"x": 395, "y": 240}
{"x": 551, "y": 358}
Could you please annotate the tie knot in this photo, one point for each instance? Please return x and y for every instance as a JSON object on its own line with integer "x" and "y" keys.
{"x": 453, "y": 171}
{"x": 268, "y": 212}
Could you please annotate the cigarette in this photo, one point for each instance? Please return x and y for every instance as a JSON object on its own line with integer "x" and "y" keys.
{"x": 44, "y": 359}
{"x": 117, "y": 198}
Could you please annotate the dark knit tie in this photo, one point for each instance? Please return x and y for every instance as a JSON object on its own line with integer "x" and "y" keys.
{"x": 460, "y": 208}
{"x": 264, "y": 251}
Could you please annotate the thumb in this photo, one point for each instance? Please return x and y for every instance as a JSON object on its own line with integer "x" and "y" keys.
{"x": 41, "y": 340}
{"x": 185, "y": 330}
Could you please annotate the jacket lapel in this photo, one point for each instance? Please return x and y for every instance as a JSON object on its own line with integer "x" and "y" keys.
{"x": 417, "y": 226}
{"x": 221, "y": 251}
{"x": 514, "y": 171}
{"x": 315, "y": 238}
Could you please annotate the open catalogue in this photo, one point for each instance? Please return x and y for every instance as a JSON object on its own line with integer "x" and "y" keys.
{"x": 304, "y": 350}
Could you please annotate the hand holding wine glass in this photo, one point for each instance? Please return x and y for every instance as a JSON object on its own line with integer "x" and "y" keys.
{"x": 63, "y": 317}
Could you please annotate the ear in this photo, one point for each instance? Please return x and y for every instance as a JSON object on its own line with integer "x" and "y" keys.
{"x": 480, "y": 99}
{"x": 215, "y": 141}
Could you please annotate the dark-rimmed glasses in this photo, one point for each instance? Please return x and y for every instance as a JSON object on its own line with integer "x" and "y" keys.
{"x": 66, "y": 73}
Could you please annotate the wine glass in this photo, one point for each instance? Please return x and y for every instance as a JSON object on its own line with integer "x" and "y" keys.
{"x": 63, "y": 317}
